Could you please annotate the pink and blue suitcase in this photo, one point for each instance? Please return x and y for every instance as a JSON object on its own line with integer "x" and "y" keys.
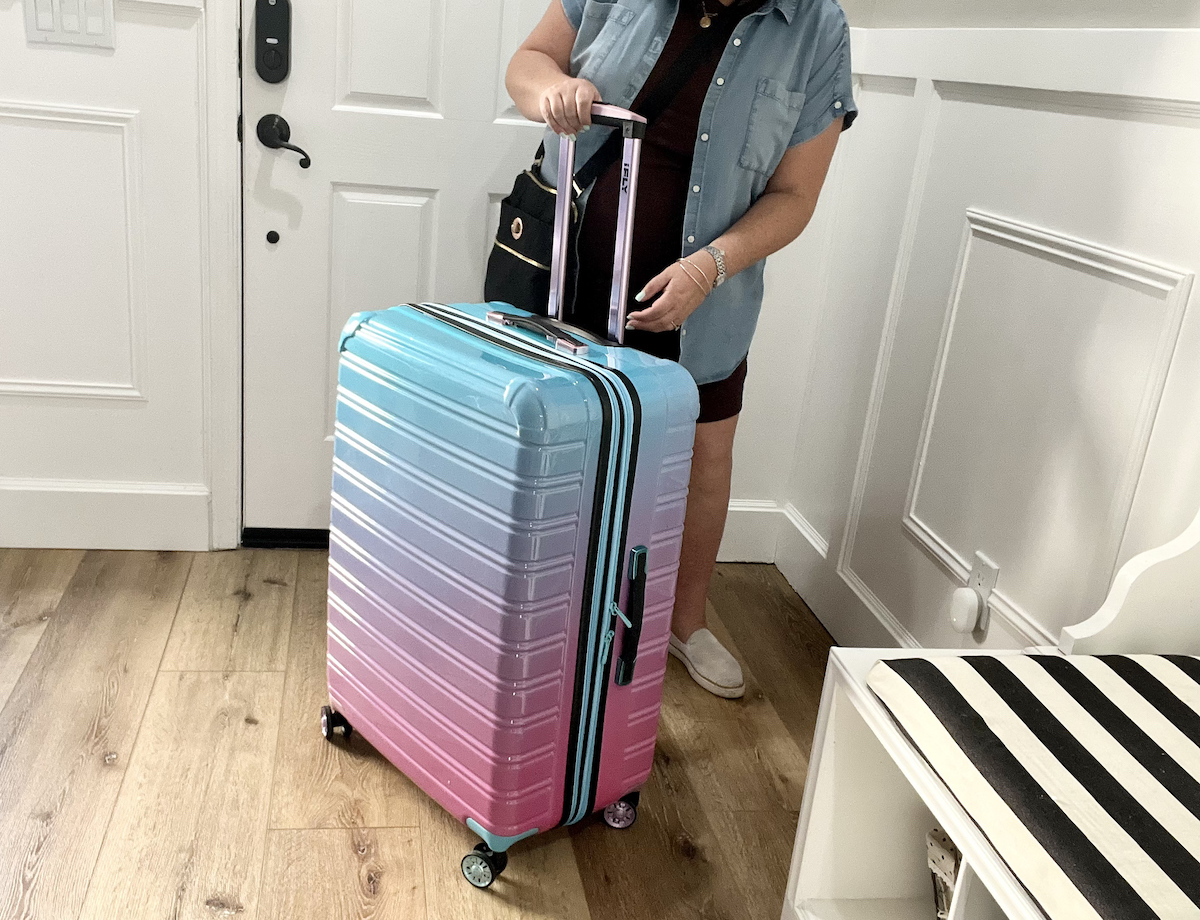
{"x": 508, "y": 508}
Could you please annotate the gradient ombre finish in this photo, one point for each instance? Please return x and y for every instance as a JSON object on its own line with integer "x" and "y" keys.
{"x": 463, "y": 490}
{"x": 656, "y": 522}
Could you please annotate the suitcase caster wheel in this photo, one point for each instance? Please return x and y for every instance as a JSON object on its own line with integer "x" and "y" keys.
{"x": 481, "y": 866}
{"x": 621, "y": 814}
{"x": 331, "y": 721}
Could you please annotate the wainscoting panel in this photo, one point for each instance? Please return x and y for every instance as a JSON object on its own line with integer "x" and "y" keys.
{"x": 1034, "y": 350}
{"x": 1060, "y": 348}
{"x": 65, "y": 169}
{"x": 879, "y": 156}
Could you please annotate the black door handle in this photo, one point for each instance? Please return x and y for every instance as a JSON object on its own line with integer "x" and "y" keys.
{"x": 274, "y": 132}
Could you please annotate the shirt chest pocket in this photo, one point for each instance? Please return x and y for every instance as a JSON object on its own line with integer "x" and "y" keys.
{"x": 773, "y": 117}
{"x": 603, "y": 24}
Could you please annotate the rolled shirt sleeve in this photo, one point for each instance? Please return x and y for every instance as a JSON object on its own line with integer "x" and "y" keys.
{"x": 574, "y": 11}
{"x": 829, "y": 94}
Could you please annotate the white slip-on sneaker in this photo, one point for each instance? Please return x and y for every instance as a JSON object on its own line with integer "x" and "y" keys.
{"x": 710, "y": 664}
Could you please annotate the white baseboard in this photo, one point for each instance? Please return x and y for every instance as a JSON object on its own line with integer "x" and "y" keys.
{"x": 766, "y": 531}
{"x": 807, "y": 530}
{"x": 800, "y": 555}
{"x": 751, "y": 531}
{"x": 753, "y": 528}
{"x": 87, "y": 514}
{"x": 898, "y": 632}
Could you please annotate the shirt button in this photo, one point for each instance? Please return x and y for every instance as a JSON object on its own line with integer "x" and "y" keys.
{"x": 691, "y": 239}
{"x": 736, "y": 42}
{"x": 682, "y": 332}
{"x": 720, "y": 81}
{"x": 837, "y": 105}
{"x": 695, "y": 188}
{"x": 703, "y": 137}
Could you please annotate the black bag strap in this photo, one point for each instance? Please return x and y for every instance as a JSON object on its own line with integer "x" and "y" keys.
{"x": 657, "y": 102}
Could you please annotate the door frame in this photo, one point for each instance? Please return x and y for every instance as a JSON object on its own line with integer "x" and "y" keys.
{"x": 220, "y": 103}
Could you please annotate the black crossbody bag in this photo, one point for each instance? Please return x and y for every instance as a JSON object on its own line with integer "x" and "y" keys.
{"x": 518, "y": 269}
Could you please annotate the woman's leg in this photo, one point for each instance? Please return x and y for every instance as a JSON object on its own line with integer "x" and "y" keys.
{"x": 708, "y": 504}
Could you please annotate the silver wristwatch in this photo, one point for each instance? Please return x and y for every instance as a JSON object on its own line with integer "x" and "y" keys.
{"x": 718, "y": 257}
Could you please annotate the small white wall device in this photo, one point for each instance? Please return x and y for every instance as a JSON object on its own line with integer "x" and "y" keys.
{"x": 70, "y": 22}
{"x": 969, "y": 605}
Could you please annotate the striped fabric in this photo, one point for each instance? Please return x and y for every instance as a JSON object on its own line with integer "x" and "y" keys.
{"x": 1083, "y": 772}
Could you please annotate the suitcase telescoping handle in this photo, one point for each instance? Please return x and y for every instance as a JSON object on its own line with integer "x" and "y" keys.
{"x": 633, "y": 129}
{"x": 637, "y": 609}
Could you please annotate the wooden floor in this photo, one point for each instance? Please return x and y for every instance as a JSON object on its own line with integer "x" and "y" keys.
{"x": 160, "y": 759}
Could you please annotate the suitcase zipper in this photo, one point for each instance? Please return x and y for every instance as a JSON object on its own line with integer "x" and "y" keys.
{"x": 588, "y": 707}
{"x": 606, "y": 646}
{"x": 635, "y": 432}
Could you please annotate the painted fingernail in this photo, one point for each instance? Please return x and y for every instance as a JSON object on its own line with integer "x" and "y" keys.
{"x": 629, "y": 325}
{"x": 640, "y": 296}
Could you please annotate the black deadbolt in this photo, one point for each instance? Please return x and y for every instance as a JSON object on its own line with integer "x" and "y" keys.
{"x": 274, "y": 132}
{"x": 272, "y": 39}
{"x": 272, "y": 236}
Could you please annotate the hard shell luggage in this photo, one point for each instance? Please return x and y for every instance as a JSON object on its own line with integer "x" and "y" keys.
{"x": 507, "y": 515}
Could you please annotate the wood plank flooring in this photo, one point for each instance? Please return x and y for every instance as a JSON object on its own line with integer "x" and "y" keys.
{"x": 160, "y": 758}
{"x": 32, "y": 583}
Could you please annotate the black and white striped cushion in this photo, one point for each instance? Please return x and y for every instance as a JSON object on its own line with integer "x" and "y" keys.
{"x": 1083, "y": 772}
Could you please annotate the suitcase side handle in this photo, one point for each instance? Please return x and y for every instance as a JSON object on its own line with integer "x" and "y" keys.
{"x": 633, "y": 129}
{"x": 637, "y": 608}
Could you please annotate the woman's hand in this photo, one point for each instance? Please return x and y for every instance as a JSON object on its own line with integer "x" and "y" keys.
{"x": 566, "y": 106}
{"x": 681, "y": 288}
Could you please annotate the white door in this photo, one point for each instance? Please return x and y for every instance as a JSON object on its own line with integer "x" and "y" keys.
{"x": 104, "y": 319}
{"x": 400, "y": 104}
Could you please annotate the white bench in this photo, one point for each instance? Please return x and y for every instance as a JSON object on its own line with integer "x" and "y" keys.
{"x": 871, "y": 798}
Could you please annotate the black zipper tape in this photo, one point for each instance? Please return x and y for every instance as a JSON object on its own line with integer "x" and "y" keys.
{"x": 634, "y": 442}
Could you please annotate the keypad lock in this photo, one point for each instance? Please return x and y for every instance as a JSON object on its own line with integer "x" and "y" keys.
{"x": 273, "y": 39}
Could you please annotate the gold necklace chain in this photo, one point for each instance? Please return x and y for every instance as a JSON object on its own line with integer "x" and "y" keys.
{"x": 706, "y": 18}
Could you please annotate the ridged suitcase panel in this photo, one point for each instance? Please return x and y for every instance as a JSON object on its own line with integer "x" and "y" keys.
{"x": 458, "y": 490}
{"x": 463, "y": 490}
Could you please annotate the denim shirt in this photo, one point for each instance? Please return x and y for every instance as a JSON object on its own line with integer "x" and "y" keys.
{"x": 783, "y": 79}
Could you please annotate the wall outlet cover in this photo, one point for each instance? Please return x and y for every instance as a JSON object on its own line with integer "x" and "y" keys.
{"x": 983, "y": 578}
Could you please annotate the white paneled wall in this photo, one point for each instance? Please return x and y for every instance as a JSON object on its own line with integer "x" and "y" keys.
{"x": 1026, "y": 14}
{"x": 986, "y": 341}
{"x": 992, "y": 334}
{"x": 105, "y": 298}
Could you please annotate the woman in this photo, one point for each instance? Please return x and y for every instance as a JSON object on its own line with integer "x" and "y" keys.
{"x": 731, "y": 171}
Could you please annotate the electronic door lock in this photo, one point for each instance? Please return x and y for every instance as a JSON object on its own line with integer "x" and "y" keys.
{"x": 272, "y": 39}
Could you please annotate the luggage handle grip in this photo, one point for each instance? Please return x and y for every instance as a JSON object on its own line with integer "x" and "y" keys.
{"x": 539, "y": 325}
{"x": 611, "y": 116}
{"x": 633, "y": 129}
{"x": 636, "y": 609}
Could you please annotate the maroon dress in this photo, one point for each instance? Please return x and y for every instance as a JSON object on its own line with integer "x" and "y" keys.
{"x": 666, "y": 169}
